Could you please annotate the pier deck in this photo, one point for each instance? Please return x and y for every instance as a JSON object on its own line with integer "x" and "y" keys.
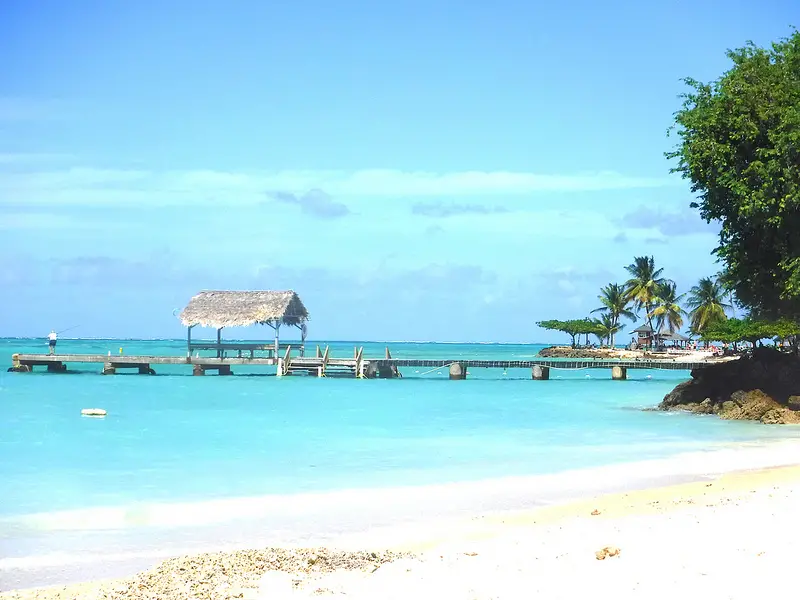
{"x": 356, "y": 366}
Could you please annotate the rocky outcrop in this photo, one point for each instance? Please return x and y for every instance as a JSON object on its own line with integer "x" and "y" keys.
{"x": 578, "y": 353}
{"x": 763, "y": 387}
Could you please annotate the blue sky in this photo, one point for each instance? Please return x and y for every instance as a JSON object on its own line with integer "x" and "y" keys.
{"x": 414, "y": 170}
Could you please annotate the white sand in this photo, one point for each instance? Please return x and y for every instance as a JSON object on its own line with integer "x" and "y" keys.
{"x": 736, "y": 537}
{"x": 684, "y": 541}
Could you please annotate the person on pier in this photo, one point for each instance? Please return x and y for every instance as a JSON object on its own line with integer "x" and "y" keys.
{"x": 52, "y": 338}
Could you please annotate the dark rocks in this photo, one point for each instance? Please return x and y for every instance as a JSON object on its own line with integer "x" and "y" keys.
{"x": 763, "y": 387}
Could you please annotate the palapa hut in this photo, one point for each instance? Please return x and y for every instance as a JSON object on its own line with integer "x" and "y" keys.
{"x": 220, "y": 309}
{"x": 676, "y": 338}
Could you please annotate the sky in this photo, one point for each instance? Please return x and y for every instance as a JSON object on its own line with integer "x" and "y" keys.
{"x": 434, "y": 170}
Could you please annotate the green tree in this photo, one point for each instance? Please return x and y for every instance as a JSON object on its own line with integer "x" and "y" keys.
{"x": 573, "y": 328}
{"x": 607, "y": 328}
{"x": 707, "y": 304}
{"x": 643, "y": 286}
{"x": 734, "y": 331}
{"x": 615, "y": 302}
{"x": 739, "y": 146}
{"x": 667, "y": 309}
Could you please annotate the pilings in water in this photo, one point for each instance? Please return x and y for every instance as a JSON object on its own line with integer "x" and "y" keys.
{"x": 458, "y": 371}
{"x": 220, "y": 369}
{"x": 323, "y": 364}
{"x": 540, "y": 373}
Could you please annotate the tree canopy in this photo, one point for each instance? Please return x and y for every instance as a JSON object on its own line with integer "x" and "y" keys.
{"x": 574, "y": 327}
{"x": 732, "y": 331}
{"x": 740, "y": 148}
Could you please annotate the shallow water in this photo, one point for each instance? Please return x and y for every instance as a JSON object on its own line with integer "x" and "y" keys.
{"x": 177, "y": 438}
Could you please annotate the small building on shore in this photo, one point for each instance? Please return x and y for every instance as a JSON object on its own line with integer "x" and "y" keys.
{"x": 232, "y": 308}
{"x": 644, "y": 335}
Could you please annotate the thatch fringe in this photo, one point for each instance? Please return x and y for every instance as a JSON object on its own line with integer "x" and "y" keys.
{"x": 219, "y": 309}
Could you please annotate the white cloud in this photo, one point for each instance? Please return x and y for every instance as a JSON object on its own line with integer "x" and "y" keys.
{"x": 89, "y": 186}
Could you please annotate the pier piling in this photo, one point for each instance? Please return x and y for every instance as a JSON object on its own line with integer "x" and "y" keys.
{"x": 540, "y": 373}
{"x": 458, "y": 371}
{"x": 619, "y": 373}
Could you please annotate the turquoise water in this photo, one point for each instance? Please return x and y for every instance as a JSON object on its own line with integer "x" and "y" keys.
{"x": 183, "y": 438}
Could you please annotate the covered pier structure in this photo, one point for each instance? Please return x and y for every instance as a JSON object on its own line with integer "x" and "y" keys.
{"x": 233, "y": 308}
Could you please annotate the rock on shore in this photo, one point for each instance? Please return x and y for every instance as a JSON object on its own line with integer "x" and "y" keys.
{"x": 567, "y": 352}
{"x": 763, "y": 387}
{"x": 244, "y": 574}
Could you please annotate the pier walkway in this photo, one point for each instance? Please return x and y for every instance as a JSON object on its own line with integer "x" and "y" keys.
{"x": 323, "y": 364}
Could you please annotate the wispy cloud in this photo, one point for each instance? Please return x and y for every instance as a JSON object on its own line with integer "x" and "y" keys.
{"x": 443, "y": 210}
{"x": 91, "y": 186}
{"x": 684, "y": 222}
{"x": 314, "y": 202}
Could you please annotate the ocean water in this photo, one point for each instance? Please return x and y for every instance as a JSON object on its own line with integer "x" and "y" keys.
{"x": 195, "y": 454}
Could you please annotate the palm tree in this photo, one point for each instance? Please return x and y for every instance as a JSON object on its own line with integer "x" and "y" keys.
{"x": 707, "y": 304}
{"x": 607, "y": 328}
{"x": 727, "y": 291}
{"x": 643, "y": 286}
{"x": 668, "y": 309}
{"x": 615, "y": 305}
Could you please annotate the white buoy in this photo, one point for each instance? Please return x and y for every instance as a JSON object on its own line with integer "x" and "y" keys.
{"x": 93, "y": 412}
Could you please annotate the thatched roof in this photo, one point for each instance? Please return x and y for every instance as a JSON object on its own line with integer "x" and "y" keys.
{"x": 238, "y": 309}
{"x": 643, "y": 329}
{"x": 672, "y": 336}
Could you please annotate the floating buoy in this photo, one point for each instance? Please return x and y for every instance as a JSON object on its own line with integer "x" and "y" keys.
{"x": 93, "y": 412}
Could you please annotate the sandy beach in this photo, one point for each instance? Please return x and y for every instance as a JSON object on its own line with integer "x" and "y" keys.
{"x": 731, "y": 537}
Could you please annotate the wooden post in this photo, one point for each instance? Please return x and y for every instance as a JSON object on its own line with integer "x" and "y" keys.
{"x": 540, "y": 373}
{"x": 359, "y": 370}
{"x": 303, "y": 334}
{"x": 219, "y": 341}
{"x": 189, "y": 340}
{"x": 324, "y": 365}
{"x": 277, "y": 338}
{"x": 619, "y": 373}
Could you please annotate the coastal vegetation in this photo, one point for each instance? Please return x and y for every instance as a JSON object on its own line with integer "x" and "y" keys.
{"x": 655, "y": 298}
{"x": 739, "y": 147}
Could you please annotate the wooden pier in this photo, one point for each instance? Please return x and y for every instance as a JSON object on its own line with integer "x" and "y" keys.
{"x": 276, "y": 309}
{"x": 323, "y": 364}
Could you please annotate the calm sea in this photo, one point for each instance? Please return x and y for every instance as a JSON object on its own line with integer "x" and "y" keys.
{"x": 200, "y": 442}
